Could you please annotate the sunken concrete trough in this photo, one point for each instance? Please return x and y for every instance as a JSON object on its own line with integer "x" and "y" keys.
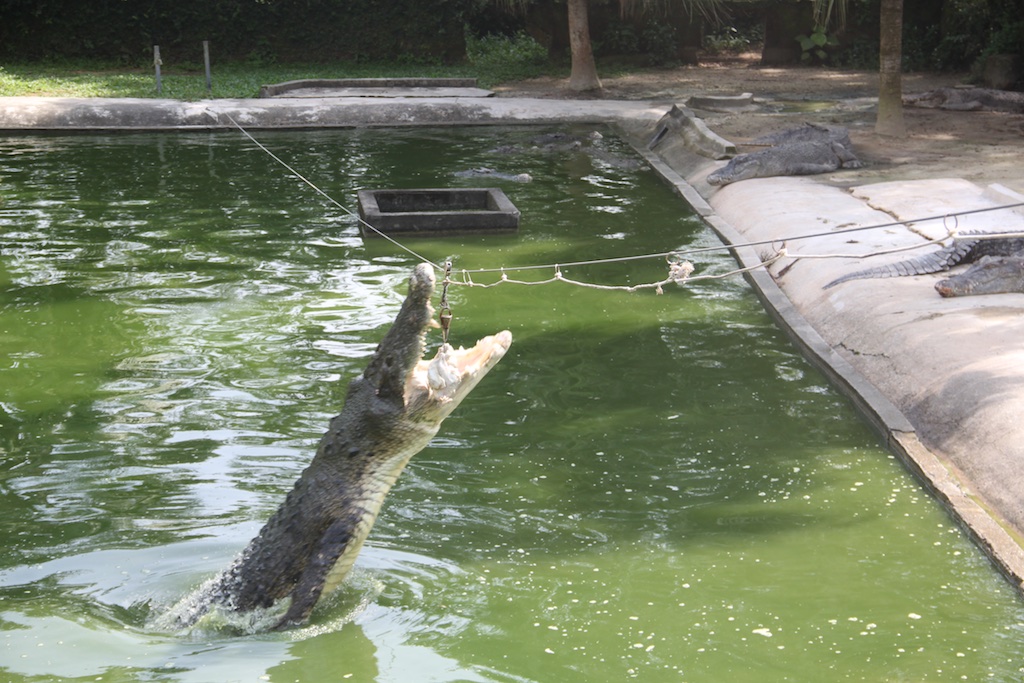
{"x": 437, "y": 212}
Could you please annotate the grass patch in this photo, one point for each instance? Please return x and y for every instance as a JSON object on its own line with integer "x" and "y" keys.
{"x": 491, "y": 62}
{"x": 230, "y": 80}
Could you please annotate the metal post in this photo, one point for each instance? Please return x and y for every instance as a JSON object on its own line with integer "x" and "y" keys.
{"x": 156, "y": 65}
{"x": 206, "y": 61}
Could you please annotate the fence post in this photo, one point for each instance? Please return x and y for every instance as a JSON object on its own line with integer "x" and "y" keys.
{"x": 206, "y": 61}
{"x": 156, "y": 65}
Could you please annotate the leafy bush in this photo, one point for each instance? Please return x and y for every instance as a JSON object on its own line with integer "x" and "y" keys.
{"x": 618, "y": 39}
{"x": 264, "y": 31}
{"x": 918, "y": 47}
{"x": 506, "y": 58}
{"x": 727, "y": 40}
{"x": 1006, "y": 40}
{"x": 967, "y": 29}
{"x": 659, "y": 42}
{"x": 814, "y": 47}
{"x": 860, "y": 54}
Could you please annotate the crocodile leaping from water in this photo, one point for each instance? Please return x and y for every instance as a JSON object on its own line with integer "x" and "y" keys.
{"x": 967, "y": 248}
{"x": 391, "y": 412}
{"x": 805, "y": 150}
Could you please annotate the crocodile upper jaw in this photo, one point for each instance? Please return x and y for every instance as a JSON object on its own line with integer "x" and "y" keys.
{"x": 435, "y": 387}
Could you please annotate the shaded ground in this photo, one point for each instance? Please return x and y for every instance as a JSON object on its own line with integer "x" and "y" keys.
{"x": 981, "y": 146}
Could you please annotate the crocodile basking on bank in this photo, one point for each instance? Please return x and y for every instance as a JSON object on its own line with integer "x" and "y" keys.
{"x": 968, "y": 99}
{"x": 390, "y": 413}
{"x": 805, "y": 150}
{"x": 967, "y": 248}
{"x": 990, "y": 275}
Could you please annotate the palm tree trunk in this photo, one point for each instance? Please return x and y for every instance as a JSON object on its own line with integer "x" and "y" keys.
{"x": 890, "y": 83}
{"x": 584, "y": 70}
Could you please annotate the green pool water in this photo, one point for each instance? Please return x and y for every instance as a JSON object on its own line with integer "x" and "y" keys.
{"x": 651, "y": 488}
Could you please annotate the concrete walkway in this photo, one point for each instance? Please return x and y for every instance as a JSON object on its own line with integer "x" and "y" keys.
{"x": 942, "y": 380}
{"x": 95, "y": 114}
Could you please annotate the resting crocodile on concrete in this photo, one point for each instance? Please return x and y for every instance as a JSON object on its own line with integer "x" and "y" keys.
{"x": 990, "y": 275}
{"x": 968, "y": 99}
{"x": 390, "y": 413}
{"x": 806, "y": 150}
{"x": 809, "y": 132}
{"x": 963, "y": 250}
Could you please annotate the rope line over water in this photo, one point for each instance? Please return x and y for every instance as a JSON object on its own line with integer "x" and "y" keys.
{"x": 328, "y": 197}
{"x": 679, "y": 270}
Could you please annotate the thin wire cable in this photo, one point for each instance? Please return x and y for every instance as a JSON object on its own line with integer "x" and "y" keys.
{"x": 674, "y": 276}
{"x": 758, "y": 243}
{"x": 881, "y": 252}
{"x": 678, "y": 273}
{"x": 329, "y": 198}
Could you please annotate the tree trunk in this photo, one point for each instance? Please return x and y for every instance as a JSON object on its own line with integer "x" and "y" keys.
{"x": 584, "y": 69}
{"x": 890, "y": 80}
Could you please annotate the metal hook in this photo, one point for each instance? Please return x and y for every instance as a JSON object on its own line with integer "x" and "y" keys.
{"x": 956, "y": 224}
{"x": 445, "y": 312}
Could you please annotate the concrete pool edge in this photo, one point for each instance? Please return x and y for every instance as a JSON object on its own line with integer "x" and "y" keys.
{"x": 39, "y": 114}
{"x": 637, "y": 121}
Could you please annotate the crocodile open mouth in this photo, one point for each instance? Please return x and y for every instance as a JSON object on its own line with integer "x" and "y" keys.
{"x": 435, "y": 387}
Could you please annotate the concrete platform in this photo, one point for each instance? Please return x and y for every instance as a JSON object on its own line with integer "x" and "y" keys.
{"x": 376, "y": 87}
{"x": 389, "y": 92}
{"x": 437, "y": 212}
{"x": 94, "y": 114}
{"x": 942, "y": 380}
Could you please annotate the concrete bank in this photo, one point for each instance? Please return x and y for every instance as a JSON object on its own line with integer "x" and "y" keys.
{"x": 942, "y": 380}
{"x": 98, "y": 114}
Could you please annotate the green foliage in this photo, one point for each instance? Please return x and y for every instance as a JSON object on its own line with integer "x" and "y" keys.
{"x": 814, "y": 47}
{"x": 505, "y": 58}
{"x": 965, "y": 30}
{"x": 729, "y": 39}
{"x": 653, "y": 40}
{"x": 658, "y": 41}
{"x": 618, "y": 39}
{"x": 917, "y": 49}
{"x": 974, "y": 29}
{"x": 1007, "y": 39}
{"x": 263, "y": 31}
{"x": 954, "y": 36}
{"x": 235, "y": 79}
{"x": 860, "y": 54}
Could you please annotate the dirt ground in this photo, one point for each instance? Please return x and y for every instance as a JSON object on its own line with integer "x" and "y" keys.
{"x": 980, "y": 146}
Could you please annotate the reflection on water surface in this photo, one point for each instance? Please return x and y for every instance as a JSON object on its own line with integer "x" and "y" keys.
{"x": 648, "y": 487}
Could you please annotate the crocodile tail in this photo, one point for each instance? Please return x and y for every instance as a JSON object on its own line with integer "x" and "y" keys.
{"x": 932, "y": 262}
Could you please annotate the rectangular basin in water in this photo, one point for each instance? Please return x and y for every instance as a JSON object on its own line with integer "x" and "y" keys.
{"x": 437, "y": 212}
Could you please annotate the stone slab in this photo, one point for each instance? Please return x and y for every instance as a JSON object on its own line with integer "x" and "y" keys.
{"x": 68, "y": 113}
{"x": 356, "y": 84}
{"x": 387, "y": 92}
